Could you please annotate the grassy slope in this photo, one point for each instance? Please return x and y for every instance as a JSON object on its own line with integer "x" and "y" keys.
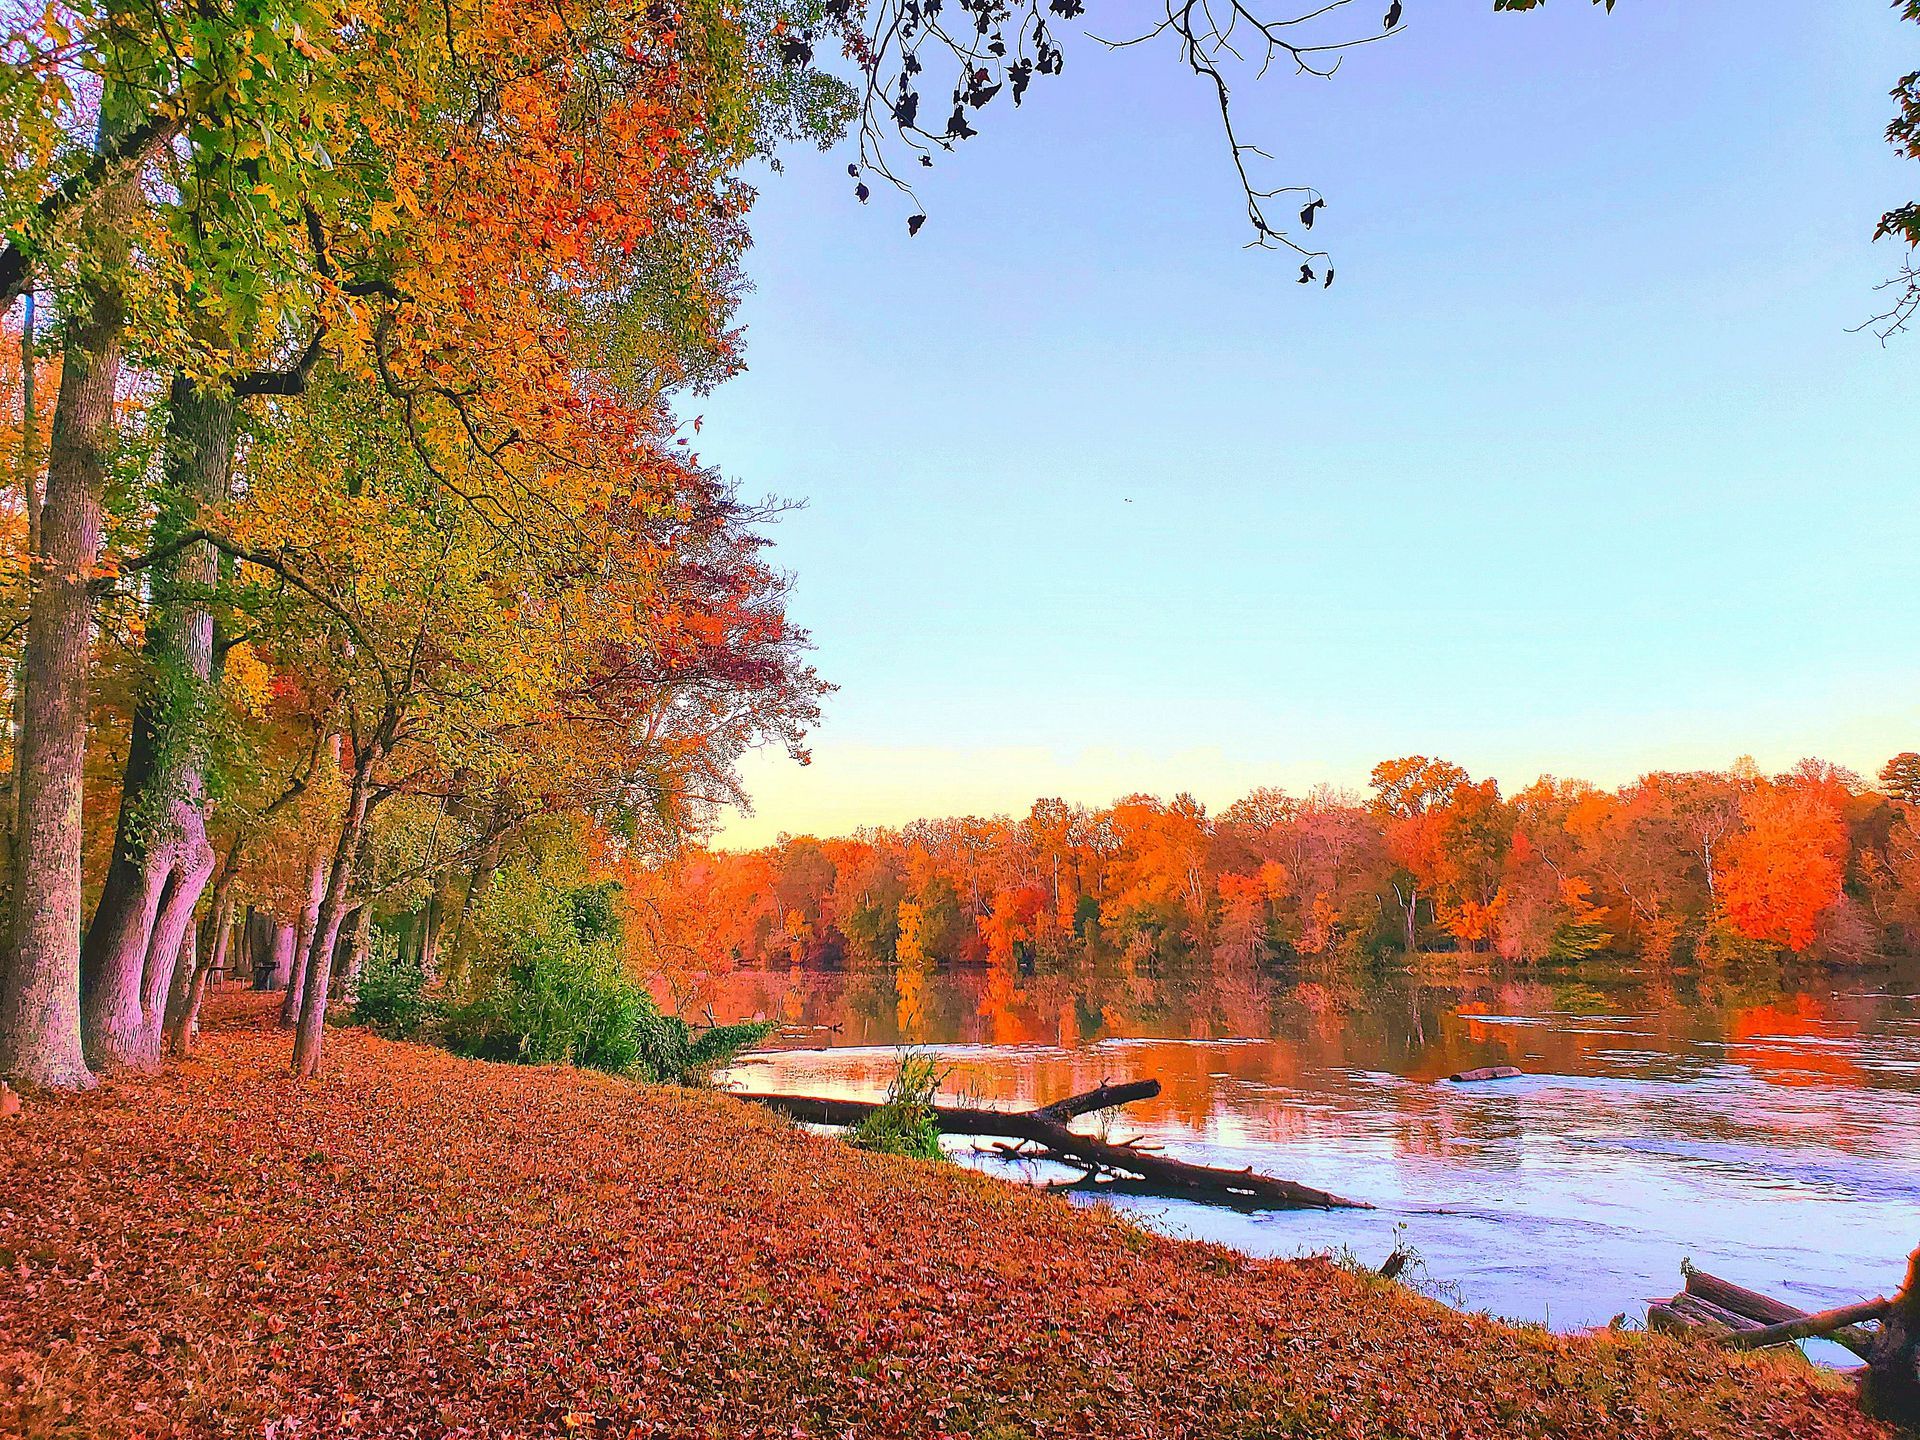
{"x": 420, "y": 1245}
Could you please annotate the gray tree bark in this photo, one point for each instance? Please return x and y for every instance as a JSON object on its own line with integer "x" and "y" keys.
{"x": 280, "y": 965}
{"x": 303, "y": 940}
{"x": 27, "y": 466}
{"x": 161, "y": 856}
{"x": 40, "y": 990}
{"x": 347, "y": 856}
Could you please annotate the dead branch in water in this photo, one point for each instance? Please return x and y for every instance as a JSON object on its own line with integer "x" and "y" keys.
{"x": 1045, "y": 1129}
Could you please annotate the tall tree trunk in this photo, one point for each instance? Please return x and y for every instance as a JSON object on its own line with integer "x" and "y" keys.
{"x": 478, "y": 884}
{"x": 40, "y": 991}
{"x": 212, "y": 952}
{"x": 280, "y": 967}
{"x": 309, "y": 912}
{"x": 259, "y": 940}
{"x": 161, "y": 856}
{"x": 362, "y": 941}
{"x": 303, "y": 940}
{"x": 433, "y": 922}
{"x": 347, "y": 855}
{"x": 27, "y": 466}
{"x": 185, "y": 969}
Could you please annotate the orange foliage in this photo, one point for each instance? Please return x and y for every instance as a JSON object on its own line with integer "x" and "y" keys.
{"x": 1666, "y": 868}
{"x": 1786, "y": 867}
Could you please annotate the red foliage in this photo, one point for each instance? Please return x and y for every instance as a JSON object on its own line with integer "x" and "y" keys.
{"x": 416, "y": 1245}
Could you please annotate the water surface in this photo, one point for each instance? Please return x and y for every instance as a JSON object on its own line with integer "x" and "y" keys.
{"x": 1768, "y": 1130}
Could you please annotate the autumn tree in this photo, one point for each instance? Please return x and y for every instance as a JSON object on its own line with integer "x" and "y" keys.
{"x": 1786, "y": 866}
{"x": 107, "y": 92}
{"x": 1805, "y": 862}
{"x": 582, "y": 168}
{"x": 1410, "y": 795}
{"x": 1900, "y": 777}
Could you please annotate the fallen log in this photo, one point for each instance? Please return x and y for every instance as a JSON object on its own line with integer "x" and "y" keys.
{"x": 1663, "y": 1318}
{"x": 1823, "y": 1322}
{"x": 1690, "y": 1312}
{"x": 1486, "y": 1072}
{"x": 1760, "y": 1310}
{"x": 1057, "y": 1142}
{"x": 952, "y": 1119}
{"x": 1181, "y": 1177}
{"x": 1091, "y": 1180}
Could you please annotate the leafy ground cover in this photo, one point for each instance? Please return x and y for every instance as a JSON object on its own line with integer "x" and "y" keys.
{"x": 421, "y": 1245}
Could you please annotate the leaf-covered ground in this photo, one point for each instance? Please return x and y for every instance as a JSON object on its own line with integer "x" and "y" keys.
{"x": 422, "y": 1245}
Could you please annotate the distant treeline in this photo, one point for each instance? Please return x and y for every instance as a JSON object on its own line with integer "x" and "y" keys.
{"x": 1714, "y": 867}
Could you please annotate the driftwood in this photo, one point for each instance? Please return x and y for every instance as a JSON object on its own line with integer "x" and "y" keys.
{"x": 1744, "y": 1319}
{"x": 1823, "y": 1322}
{"x": 1689, "y": 1312}
{"x": 1486, "y": 1072}
{"x": 1105, "y": 1097}
{"x": 1045, "y": 1130}
{"x": 1757, "y": 1310}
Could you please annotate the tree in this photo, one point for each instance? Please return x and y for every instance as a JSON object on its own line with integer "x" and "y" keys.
{"x": 1785, "y": 867}
{"x": 358, "y": 190}
{"x": 1158, "y": 889}
{"x": 1409, "y": 795}
{"x": 40, "y": 990}
{"x": 1900, "y": 777}
{"x": 80, "y": 224}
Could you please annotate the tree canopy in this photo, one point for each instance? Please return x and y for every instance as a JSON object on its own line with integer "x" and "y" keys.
{"x": 358, "y": 549}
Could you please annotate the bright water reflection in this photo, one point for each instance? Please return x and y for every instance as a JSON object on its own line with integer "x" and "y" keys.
{"x": 1770, "y": 1131}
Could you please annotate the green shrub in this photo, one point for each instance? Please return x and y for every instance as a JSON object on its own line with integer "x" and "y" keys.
{"x": 590, "y": 910}
{"x": 905, "y": 1123}
{"x": 671, "y": 1049}
{"x": 390, "y": 994}
{"x": 564, "y": 997}
{"x": 558, "y": 1002}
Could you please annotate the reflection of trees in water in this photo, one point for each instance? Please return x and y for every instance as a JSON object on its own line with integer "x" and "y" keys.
{"x": 910, "y": 1003}
{"x": 1323, "y": 1049}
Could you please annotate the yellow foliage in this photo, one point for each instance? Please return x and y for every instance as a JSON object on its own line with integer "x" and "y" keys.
{"x": 248, "y": 680}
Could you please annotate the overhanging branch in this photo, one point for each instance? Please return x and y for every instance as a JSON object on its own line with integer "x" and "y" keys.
{"x": 277, "y": 564}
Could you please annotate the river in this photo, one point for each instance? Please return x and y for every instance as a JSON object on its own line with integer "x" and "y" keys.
{"x": 1769, "y": 1130}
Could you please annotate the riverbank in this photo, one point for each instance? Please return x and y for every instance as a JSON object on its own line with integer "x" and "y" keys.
{"x": 425, "y": 1246}
{"x": 1762, "y": 1130}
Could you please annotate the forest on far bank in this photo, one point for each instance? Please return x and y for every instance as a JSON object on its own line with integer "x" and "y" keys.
{"x": 1721, "y": 868}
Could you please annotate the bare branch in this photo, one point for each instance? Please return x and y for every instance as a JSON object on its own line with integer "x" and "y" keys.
{"x": 1005, "y": 44}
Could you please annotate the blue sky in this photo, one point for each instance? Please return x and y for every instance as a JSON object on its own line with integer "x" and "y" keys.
{"x": 1575, "y": 469}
